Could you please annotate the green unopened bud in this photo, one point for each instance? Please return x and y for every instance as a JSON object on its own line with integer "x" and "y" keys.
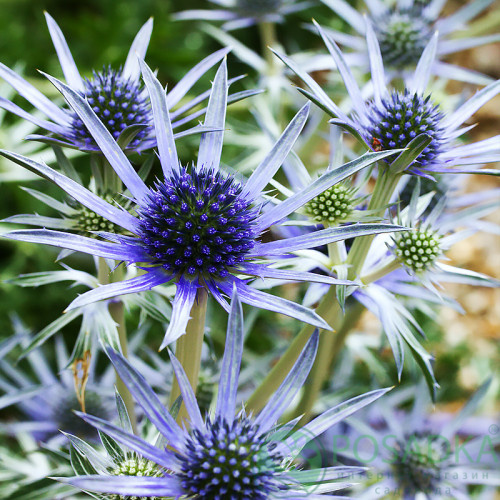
{"x": 419, "y": 249}
{"x": 333, "y": 205}
{"x": 403, "y": 38}
{"x": 136, "y": 467}
{"x": 87, "y": 220}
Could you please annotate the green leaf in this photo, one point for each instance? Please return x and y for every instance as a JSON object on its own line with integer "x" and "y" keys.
{"x": 65, "y": 164}
{"x": 348, "y": 128}
{"x": 41, "y": 489}
{"x": 50, "y": 330}
{"x": 146, "y": 167}
{"x": 128, "y": 135}
{"x": 81, "y": 464}
{"x": 112, "y": 447}
{"x": 125, "y": 423}
{"x": 412, "y": 152}
{"x": 105, "y": 327}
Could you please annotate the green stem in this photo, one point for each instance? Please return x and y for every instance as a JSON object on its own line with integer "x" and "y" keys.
{"x": 280, "y": 370}
{"x": 268, "y": 39}
{"x": 117, "y": 312}
{"x": 334, "y": 252}
{"x": 384, "y": 187}
{"x": 380, "y": 272}
{"x": 330, "y": 346}
{"x": 188, "y": 349}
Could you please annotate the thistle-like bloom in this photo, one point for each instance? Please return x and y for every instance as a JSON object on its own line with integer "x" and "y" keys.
{"x": 116, "y": 96}
{"x": 238, "y": 14}
{"x": 48, "y": 398}
{"x": 408, "y": 269}
{"x": 199, "y": 226}
{"x": 227, "y": 454}
{"x": 422, "y": 454}
{"x": 403, "y": 31}
{"x": 393, "y": 118}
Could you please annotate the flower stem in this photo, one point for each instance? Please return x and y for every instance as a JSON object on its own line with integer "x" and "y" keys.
{"x": 117, "y": 312}
{"x": 330, "y": 346}
{"x": 268, "y": 39}
{"x": 188, "y": 349}
{"x": 327, "y": 309}
{"x": 380, "y": 272}
{"x": 384, "y": 187}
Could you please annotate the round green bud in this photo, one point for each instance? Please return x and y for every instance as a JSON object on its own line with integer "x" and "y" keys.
{"x": 332, "y": 206}
{"x": 419, "y": 249}
{"x": 135, "y": 467}
{"x": 87, "y": 220}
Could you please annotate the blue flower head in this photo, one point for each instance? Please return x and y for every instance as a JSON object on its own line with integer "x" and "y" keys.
{"x": 47, "y": 398}
{"x": 198, "y": 226}
{"x": 393, "y": 118}
{"x": 227, "y": 454}
{"x": 119, "y": 102}
{"x": 423, "y": 452}
{"x": 115, "y": 95}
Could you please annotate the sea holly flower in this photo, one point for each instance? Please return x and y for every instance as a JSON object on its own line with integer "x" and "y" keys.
{"x": 48, "y": 397}
{"x": 226, "y": 454}
{"x": 238, "y": 14}
{"x": 403, "y": 31}
{"x": 393, "y": 118}
{"x": 433, "y": 233}
{"x": 422, "y": 453}
{"x": 199, "y": 227}
{"x": 409, "y": 270}
{"x": 116, "y": 96}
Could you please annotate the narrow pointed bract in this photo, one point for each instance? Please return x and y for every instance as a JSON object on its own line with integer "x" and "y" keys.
{"x": 228, "y": 454}
{"x": 199, "y": 227}
{"x": 115, "y": 95}
{"x": 392, "y": 120}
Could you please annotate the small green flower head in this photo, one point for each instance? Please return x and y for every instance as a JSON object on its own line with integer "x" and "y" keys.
{"x": 403, "y": 37}
{"x": 418, "y": 249}
{"x": 137, "y": 466}
{"x": 418, "y": 462}
{"x": 87, "y": 220}
{"x": 332, "y": 206}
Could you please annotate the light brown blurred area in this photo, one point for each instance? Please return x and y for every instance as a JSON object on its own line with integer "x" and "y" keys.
{"x": 479, "y": 327}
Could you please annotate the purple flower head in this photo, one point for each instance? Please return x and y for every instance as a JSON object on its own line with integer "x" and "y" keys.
{"x": 116, "y": 96}
{"x": 225, "y": 454}
{"x": 119, "y": 102}
{"x": 198, "y": 224}
{"x": 423, "y": 452}
{"x": 393, "y": 119}
{"x": 399, "y": 118}
{"x": 198, "y": 227}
